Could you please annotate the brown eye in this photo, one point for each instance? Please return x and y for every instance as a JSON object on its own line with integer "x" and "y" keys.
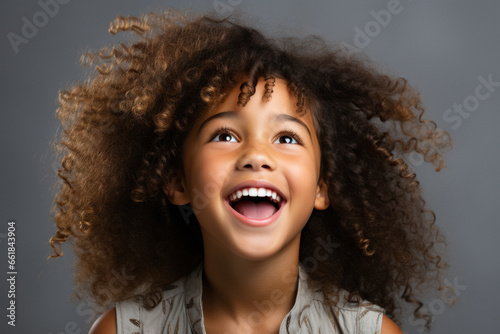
{"x": 224, "y": 137}
{"x": 286, "y": 140}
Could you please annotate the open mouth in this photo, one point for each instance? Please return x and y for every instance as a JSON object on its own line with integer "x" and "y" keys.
{"x": 255, "y": 203}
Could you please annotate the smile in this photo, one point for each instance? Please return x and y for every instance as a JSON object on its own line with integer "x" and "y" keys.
{"x": 256, "y": 206}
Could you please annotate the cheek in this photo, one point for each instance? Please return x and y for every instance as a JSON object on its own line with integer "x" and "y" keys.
{"x": 206, "y": 175}
{"x": 303, "y": 169}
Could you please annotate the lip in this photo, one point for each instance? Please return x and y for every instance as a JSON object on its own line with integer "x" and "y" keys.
{"x": 252, "y": 221}
{"x": 256, "y": 222}
{"x": 256, "y": 184}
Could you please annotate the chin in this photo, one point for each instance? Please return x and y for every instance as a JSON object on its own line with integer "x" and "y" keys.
{"x": 256, "y": 256}
{"x": 258, "y": 248}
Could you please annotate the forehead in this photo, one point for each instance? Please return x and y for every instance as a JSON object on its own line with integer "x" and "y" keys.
{"x": 281, "y": 101}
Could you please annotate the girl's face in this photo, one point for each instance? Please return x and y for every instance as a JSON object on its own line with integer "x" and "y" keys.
{"x": 251, "y": 173}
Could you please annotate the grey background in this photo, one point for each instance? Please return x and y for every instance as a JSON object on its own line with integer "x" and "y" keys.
{"x": 441, "y": 47}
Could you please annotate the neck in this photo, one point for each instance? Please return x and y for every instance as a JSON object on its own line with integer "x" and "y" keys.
{"x": 240, "y": 287}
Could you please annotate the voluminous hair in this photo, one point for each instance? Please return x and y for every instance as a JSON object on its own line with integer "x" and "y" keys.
{"x": 122, "y": 140}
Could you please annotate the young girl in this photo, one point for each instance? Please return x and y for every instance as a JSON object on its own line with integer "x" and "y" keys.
{"x": 218, "y": 181}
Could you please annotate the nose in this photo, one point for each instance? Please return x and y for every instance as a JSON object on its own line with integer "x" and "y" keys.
{"x": 256, "y": 158}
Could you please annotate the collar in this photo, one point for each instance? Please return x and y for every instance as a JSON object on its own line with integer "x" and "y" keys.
{"x": 194, "y": 307}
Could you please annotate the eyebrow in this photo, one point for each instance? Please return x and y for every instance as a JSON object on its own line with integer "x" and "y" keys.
{"x": 233, "y": 114}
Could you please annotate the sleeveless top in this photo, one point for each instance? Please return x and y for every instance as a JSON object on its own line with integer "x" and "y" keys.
{"x": 181, "y": 311}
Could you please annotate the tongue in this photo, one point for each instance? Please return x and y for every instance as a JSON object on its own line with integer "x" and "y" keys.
{"x": 259, "y": 210}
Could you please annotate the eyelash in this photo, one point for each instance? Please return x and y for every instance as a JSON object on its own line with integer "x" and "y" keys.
{"x": 290, "y": 133}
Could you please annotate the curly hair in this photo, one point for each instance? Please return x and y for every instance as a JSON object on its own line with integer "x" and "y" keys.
{"x": 123, "y": 132}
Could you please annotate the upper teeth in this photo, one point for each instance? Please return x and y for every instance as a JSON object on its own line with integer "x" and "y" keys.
{"x": 255, "y": 192}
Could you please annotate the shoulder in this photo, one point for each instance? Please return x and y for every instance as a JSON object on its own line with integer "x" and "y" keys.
{"x": 359, "y": 316}
{"x": 136, "y": 314}
{"x": 389, "y": 327}
{"x": 131, "y": 315}
{"x": 105, "y": 324}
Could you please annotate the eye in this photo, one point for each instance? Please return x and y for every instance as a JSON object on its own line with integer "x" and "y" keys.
{"x": 285, "y": 140}
{"x": 223, "y": 135}
{"x": 288, "y": 137}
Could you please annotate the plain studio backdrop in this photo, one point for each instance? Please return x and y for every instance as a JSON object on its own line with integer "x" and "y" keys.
{"x": 448, "y": 49}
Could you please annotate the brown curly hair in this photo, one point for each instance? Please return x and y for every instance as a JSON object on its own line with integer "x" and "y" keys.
{"x": 122, "y": 144}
